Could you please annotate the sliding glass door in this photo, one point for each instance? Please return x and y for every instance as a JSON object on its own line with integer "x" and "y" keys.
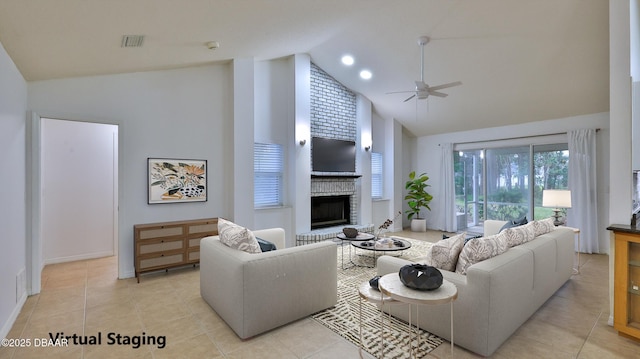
{"x": 551, "y": 163}
{"x": 469, "y": 169}
{"x": 506, "y": 183}
{"x": 508, "y": 176}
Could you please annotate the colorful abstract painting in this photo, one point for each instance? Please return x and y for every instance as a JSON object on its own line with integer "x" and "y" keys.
{"x": 175, "y": 180}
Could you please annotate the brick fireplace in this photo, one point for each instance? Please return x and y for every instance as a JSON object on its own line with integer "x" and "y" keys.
{"x": 333, "y": 192}
{"x": 333, "y": 116}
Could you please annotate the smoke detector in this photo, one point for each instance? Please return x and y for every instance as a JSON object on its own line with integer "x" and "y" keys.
{"x": 132, "y": 40}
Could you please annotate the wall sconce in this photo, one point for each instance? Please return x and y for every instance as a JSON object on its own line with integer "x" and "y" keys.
{"x": 367, "y": 148}
{"x": 303, "y": 142}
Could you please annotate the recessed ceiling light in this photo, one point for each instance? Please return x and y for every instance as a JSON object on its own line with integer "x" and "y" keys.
{"x": 365, "y": 74}
{"x": 347, "y": 60}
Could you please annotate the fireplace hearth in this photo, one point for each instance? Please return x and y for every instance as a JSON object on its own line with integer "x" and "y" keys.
{"x": 328, "y": 211}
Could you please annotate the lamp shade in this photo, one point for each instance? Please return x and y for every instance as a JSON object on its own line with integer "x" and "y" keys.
{"x": 556, "y": 198}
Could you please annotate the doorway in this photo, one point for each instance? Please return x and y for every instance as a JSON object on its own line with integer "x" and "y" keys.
{"x": 78, "y": 190}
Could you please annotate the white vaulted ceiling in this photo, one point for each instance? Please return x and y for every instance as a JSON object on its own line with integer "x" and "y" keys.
{"x": 519, "y": 61}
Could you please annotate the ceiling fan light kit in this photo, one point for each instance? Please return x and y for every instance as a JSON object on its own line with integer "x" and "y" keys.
{"x": 422, "y": 90}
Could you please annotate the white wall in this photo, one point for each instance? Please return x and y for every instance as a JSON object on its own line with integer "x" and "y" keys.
{"x": 273, "y": 123}
{"x": 428, "y": 155}
{"x": 380, "y": 207}
{"x": 408, "y": 161}
{"x": 241, "y": 184}
{"x": 185, "y": 113}
{"x": 620, "y": 124}
{"x": 13, "y": 114}
{"x": 363, "y": 158}
{"x": 388, "y": 139}
{"x": 301, "y": 161}
{"x": 78, "y": 164}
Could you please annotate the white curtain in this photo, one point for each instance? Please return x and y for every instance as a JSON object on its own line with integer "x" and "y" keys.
{"x": 446, "y": 218}
{"x": 582, "y": 183}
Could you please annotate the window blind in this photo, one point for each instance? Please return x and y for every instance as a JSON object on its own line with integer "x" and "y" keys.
{"x": 267, "y": 169}
{"x": 376, "y": 175}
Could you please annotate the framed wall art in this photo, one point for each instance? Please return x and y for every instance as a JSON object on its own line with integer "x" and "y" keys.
{"x": 176, "y": 180}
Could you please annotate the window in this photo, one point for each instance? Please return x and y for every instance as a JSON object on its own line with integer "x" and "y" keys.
{"x": 267, "y": 171}
{"x": 506, "y": 183}
{"x": 376, "y": 175}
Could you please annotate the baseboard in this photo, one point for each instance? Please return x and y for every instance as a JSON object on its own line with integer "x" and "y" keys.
{"x": 6, "y": 328}
{"x": 79, "y": 257}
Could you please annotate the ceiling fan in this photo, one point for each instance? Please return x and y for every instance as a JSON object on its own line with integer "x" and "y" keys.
{"x": 422, "y": 90}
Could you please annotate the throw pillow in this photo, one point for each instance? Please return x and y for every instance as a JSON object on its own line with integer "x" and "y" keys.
{"x": 237, "y": 237}
{"x": 479, "y": 249}
{"x": 444, "y": 254}
{"x": 444, "y": 236}
{"x": 544, "y": 226}
{"x": 265, "y": 245}
{"x": 515, "y": 236}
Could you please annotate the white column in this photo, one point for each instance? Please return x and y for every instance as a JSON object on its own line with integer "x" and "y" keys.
{"x": 243, "y": 113}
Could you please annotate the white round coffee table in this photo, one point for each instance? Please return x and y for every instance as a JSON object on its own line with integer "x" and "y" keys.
{"x": 391, "y": 285}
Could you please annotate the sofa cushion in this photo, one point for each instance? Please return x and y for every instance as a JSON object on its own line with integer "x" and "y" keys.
{"x": 515, "y": 236}
{"x": 479, "y": 249}
{"x": 237, "y": 237}
{"x": 444, "y": 253}
{"x": 544, "y": 226}
{"x": 265, "y": 245}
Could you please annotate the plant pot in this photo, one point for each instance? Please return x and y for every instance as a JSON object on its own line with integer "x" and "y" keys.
{"x": 419, "y": 225}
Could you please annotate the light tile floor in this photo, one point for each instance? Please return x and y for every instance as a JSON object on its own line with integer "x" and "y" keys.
{"x": 85, "y": 298}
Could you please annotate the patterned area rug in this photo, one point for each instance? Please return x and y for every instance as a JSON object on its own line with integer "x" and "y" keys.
{"x": 344, "y": 318}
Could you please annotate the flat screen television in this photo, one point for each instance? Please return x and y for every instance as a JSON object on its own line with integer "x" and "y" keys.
{"x": 329, "y": 155}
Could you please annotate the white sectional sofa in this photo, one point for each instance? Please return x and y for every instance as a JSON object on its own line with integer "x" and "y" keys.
{"x": 256, "y": 292}
{"x": 497, "y": 295}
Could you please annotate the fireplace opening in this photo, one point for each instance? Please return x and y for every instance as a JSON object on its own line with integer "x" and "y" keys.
{"x": 327, "y": 211}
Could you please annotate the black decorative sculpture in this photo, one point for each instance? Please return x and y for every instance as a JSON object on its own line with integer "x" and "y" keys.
{"x": 420, "y": 277}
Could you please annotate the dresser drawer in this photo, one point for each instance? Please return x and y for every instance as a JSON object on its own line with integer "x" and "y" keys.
{"x": 194, "y": 256}
{"x": 160, "y": 246}
{"x": 162, "y": 260}
{"x": 204, "y": 229}
{"x": 164, "y": 231}
{"x": 194, "y": 242}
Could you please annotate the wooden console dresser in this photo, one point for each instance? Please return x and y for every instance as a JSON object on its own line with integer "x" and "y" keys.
{"x": 626, "y": 280}
{"x": 170, "y": 244}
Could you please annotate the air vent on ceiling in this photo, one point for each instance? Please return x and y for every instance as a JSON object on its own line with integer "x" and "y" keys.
{"x": 132, "y": 40}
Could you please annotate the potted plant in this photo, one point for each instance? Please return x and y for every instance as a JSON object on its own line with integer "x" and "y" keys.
{"x": 417, "y": 198}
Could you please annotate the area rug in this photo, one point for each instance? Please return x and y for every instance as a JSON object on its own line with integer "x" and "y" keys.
{"x": 344, "y": 318}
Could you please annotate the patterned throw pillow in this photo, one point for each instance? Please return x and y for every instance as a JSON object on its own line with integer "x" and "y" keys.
{"x": 544, "y": 226}
{"x": 479, "y": 249}
{"x": 517, "y": 235}
{"x": 237, "y": 237}
{"x": 444, "y": 254}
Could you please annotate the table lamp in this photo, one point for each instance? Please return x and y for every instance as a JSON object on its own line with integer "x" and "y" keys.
{"x": 556, "y": 199}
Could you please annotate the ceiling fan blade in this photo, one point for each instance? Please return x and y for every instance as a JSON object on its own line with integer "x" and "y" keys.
{"x": 409, "y": 91}
{"x": 437, "y": 94}
{"x": 412, "y": 96}
{"x": 440, "y": 87}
